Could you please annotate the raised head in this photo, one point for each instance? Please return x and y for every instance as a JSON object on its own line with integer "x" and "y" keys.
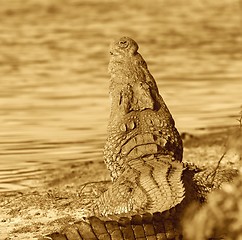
{"x": 140, "y": 123}
{"x": 143, "y": 149}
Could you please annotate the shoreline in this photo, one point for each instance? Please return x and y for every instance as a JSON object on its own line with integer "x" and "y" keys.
{"x": 63, "y": 193}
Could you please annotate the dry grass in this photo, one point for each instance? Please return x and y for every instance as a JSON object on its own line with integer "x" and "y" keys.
{"x": 222, "y": 214}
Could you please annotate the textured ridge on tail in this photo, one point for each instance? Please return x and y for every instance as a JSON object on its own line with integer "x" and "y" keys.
{"x": 142, "y": 227}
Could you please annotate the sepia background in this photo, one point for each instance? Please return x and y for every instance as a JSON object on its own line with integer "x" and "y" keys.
{"x": 54, "y": 102}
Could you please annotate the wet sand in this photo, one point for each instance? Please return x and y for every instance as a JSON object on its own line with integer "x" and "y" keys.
{"x": 63, "y": 194}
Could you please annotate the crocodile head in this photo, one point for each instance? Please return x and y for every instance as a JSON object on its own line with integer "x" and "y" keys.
{"x": 140, "y": 123}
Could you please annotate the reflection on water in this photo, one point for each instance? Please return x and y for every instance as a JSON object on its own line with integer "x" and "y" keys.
{"x": 54, "y": 82}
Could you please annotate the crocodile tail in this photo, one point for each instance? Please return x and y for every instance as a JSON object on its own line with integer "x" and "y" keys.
{"x": 146, "y": 227}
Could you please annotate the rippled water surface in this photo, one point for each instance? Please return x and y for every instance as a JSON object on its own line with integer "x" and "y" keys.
{"x": 54, "y": 103}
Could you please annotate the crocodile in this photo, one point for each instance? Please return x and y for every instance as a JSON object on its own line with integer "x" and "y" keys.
{"x": 151, "y": 185}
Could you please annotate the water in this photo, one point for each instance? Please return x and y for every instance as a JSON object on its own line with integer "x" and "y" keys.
{"x": 54, "y": 103}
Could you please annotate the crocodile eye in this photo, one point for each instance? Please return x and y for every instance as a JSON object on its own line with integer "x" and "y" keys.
{"x": 123, "y": 43}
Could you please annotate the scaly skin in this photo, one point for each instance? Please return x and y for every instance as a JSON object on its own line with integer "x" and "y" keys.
{"x": 140, "y": 123}
{"x": 142, "y": 227}
{"x": 143, "y": 151}
{"x": 144, "y": 156}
